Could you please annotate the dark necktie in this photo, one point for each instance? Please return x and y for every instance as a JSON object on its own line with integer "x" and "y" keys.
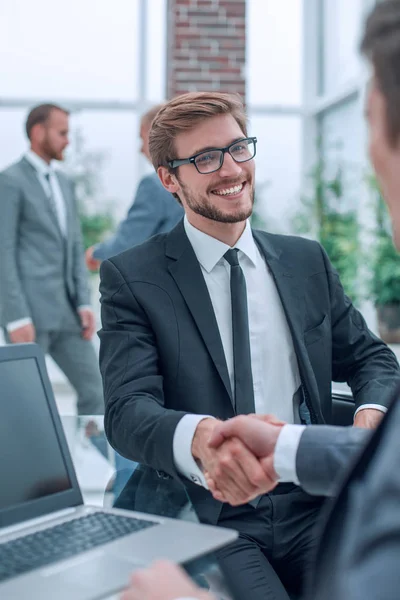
{"x": 244, "y": 394}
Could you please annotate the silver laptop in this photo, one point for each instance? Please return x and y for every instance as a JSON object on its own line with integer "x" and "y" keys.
{"x": 51, "y": 544}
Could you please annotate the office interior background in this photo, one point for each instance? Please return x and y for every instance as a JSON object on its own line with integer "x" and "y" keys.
{"x": 297, "y": 64}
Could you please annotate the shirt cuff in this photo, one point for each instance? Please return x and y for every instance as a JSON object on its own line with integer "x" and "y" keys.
{"x": 182, "y": 448}
{"x": 13, "y": 325}
{"x": 374, "y": 406}
{"x": 286, "y": 451}
{"x": 84, "y": 307}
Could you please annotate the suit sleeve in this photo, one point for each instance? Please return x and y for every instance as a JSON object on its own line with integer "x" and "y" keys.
{"x": 324, "y": 454}
{"x": 359, "y": 357}
{"x": 142, "y": 221}
{"x": 13, "y": 302}
{"x": 80, "y": 273}
{"x": 137, "y": 423}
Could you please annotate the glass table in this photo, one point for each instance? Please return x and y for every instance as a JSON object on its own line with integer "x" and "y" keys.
{"x": 107, "y": 479}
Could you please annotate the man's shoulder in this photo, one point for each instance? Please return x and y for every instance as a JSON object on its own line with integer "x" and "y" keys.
{"x": 143, "y": 258}
{"x": 283, "y": 242}
{"x": 12, "y": 173}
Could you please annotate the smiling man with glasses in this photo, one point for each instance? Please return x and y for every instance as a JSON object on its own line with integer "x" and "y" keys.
{"x": 215, "y": 319}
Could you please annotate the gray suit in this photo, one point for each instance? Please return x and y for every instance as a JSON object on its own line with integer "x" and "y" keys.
{"x": 153, "y": 211}
{"x": 358, "y": 552}
{"x": 324, "y": 453}
{"x": 43, "y": 276}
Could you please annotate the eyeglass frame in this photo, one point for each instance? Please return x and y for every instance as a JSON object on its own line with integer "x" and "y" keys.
{"x": 179, "y": 162}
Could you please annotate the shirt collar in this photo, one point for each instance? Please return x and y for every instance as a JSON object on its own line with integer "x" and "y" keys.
{"x": 209, "y": 250}
{"x": 38, "y": 163}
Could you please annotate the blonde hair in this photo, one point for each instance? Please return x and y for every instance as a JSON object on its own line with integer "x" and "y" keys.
{"x": 184, "y": 112}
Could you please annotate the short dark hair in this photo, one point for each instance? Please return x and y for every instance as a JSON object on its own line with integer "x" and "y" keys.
{"x": 40, "y": 114}
{"x": 381, "y": 45}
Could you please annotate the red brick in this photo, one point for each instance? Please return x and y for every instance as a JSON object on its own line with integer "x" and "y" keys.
{"x": 206, "y": 45}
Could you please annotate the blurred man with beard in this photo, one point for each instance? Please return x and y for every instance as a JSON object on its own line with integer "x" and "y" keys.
{"x": 44, "y": 293}
{"x": 215, "y": 319}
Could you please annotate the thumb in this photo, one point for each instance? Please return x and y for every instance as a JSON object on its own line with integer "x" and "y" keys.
{"x": 226, "y": 429}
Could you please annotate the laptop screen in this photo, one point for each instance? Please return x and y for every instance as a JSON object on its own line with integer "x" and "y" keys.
{"x": 32, "y": 464}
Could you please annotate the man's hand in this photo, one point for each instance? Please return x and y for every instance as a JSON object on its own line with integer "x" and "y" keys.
{"x": 163, "y": 581}
{"x": 23, "y": 335}
{"x": 368, "y": 418}
{"x": 259, "y": 433}
{"x": 235, "y": 473}
{"x": 92, "y": 263}
{"x": 88, "y": 323}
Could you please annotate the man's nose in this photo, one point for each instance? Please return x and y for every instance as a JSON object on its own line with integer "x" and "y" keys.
{"x": 229, "y": 168}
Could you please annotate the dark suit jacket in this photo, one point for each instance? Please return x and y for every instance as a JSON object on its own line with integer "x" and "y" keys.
{"x": 358, "y": 554}
{"x": 153, "y": 211}
{"x": 161, "y": 354}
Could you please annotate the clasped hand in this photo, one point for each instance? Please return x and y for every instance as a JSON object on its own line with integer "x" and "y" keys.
{"x": 237, "y": 456}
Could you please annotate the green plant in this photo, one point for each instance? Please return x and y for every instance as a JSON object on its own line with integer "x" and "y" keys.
{"x": 385, "y": 271}
{"x": 84, "y": 167}
{"x": 95, "y": 227}
{"x": 324, "y": 215}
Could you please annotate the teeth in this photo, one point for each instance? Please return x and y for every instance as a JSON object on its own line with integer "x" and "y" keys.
{"x": 227, "y": 191}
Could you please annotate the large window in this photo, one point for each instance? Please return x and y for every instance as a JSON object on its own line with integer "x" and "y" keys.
{"x": 274, "y": 66}
{"x": 334, "y": 130}
{"x": 339, "y": 23}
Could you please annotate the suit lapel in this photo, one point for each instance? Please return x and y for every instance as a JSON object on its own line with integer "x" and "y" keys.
{"x": 290, "y": 287}
{"x": 186, "y": 271}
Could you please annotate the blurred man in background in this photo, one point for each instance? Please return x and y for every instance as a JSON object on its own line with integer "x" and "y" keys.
{"x": 44, "y": 294}
{"x": 154, "y": 210}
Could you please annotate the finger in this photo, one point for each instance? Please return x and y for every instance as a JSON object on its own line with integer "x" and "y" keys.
{"x": 267, "y": 464}
{"x": 238, "y": 474}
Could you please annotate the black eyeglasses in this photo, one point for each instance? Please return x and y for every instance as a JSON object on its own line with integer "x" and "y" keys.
{"x": 211, "y": 160}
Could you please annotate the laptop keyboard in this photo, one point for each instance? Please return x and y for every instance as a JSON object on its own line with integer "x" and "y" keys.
{"x": 63, "y": 541}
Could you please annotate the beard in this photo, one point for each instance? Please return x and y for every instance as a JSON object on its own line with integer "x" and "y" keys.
{"x": 50, "y": 151}
{"x": 201, "y": 205}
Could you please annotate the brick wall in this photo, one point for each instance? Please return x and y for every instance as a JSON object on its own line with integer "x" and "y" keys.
{"x": 206, "y": 46}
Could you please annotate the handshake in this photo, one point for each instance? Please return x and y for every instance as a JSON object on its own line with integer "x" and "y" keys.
{"x": 237, "y": 456}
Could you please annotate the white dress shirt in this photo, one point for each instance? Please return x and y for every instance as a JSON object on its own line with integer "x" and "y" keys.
{"x": 53, "y": 191}
{"x": 274, "y": 363}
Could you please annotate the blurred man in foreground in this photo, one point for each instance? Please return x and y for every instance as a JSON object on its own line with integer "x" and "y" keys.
{"x": 357, "y": 556}
{"x": 44, "y": 293}
{"x": 154, "y": 210}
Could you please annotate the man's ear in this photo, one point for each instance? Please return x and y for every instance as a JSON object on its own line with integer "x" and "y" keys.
{"x": 168, "y": 180}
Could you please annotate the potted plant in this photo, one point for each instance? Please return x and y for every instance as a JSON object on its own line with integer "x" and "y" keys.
{"x": 385, "y": 272}
{"x": 325, "y": 216}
